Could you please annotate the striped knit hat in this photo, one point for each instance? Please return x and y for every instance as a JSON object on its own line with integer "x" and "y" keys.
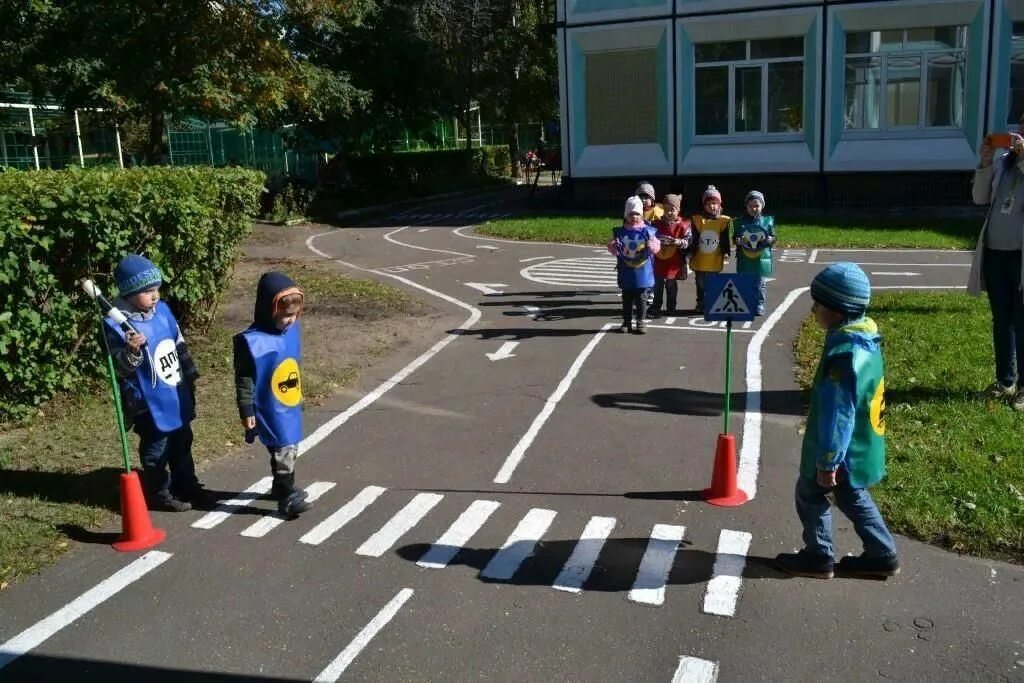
{"x": 645, "y": 189}
{"x": 136, "y": 274}
{"x": 755, "y": 194}
{"x": 711, "y": 193}
{"x": 843, "y": 288}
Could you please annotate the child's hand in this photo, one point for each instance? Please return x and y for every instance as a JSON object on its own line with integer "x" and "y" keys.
{"x": 135, "y": 341}
{"x": 249, "y": 423}
{"x": 827, "y": 480}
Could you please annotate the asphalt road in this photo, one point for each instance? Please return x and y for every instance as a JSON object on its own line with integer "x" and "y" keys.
{"x": 521, "y": 502}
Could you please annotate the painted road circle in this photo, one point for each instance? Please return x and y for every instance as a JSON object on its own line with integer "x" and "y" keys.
{"x": 586, "y": 271}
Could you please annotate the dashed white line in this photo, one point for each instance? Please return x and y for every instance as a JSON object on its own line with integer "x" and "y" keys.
{"x": 342, "y": 516}
{"x": 723, "y": 590}
{"x": 452, "y": 541}
{"x": 344, "y": 660}
{"x": 230, "y": 507}
{"x": 519, "y": 546}
{"x": 264, "y": 526}
{"x": 387, "y": 237}
{"x": 399, "y": 525}
{"x": 584, "y": 556}
{"x": 649, "y": 586}
{"x": 38, "y": 633}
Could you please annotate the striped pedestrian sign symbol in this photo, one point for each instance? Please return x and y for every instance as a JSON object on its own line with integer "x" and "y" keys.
{"x": 729, "y": 296}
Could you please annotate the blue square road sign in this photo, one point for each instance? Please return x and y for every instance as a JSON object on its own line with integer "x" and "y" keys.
{"x": 730, "y": 296}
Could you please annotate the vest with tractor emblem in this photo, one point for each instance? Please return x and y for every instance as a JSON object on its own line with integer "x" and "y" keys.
{"x": 278, "y": 394}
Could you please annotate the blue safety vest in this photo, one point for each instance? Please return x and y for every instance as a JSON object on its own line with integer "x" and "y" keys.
{"x": 278, "y": 394}
{"x": 635, "y": 269}
{"x": 159, "y": 382}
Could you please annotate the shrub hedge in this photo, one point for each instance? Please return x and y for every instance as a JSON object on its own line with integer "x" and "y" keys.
{"x": 424, "y": 173}
{"x": 57, "y": 227}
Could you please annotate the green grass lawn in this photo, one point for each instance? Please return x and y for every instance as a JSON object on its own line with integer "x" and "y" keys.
{"x": 896, "y": 232}
{"x": 955, "y": 457}
{"x": 58, "y": 473}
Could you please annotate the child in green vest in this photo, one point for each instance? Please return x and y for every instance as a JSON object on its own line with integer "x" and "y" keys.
{"x": 754, "y": 235}
{"x": 844, "y": 445}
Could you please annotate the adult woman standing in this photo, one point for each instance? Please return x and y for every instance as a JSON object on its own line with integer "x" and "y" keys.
{"x": 998, "y": 265}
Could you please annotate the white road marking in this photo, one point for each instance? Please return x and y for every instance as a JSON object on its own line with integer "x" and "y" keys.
{"x": 387, "y": 237}
{"x": 534, "y": 258}
{"x": 886, "y": 272}
{"x": 516, "y": 456}
{"x": 519, "y": 546}
{"x": 342, "y": 516}
{"x": 649, "y": 585}
{"x": 452, "y": 541}
{"x": 670, "y": 321}
{"x": 230, "y": 507}
{"x": 525, "y": 243}
{"x": 41, "y": 631}
{"x": 264, "y": 526}
{"x": 695, "y": 670}
{"x": 584, "y": 556}
{"x": 344, "y": 660}
{"x": 489, "y": 247}
{"x": 504, "y": 351}
{"x": 485, "y": 288}
{"x": 696, "y": 328}
{"x": 399, "y": 525}
{"x": 723, "y": 591}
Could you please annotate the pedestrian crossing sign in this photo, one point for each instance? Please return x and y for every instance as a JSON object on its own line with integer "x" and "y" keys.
{"x": 730, "y": 296}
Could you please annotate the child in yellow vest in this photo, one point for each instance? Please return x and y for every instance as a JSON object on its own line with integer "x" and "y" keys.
{"x": 710, "y": 243}
{"x": 652, "y": 210}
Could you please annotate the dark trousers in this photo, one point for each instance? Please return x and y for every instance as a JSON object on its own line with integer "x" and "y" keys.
{"x": 698, "y": 281}
{"x": 634, "y": 299}
{"x": 667, "y": 291}
{"x": 1001, "y": 270}
{"x": 159, "y": 450}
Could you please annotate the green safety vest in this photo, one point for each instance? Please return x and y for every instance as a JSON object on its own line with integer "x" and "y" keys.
{"x": 864, "y": 461}
{"x": 758, "y": 260}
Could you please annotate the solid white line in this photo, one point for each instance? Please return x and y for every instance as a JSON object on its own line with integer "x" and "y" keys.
{"x": 516, "y": 456}
{"x": 695, "y": 670}
{"x": 342, "y": 516}
{"x": 487, "y": 247}
{"x": 905, "y": 265}
{"x": 458, "y": 534}
{"x": 723, "y": 590}
{"x": 911, "y": 251}
{"x": 387, "y": 237}
{"x": 424, "y": 230}
{"x": 545, "y": 269}
{"x": 230, "y": 507}
{"x": 813, "y": 257}
{"x": 534, "y": 258}
{"x": 918, "y": 286}
{"x": 519, "y": 546}
{"x": 649, "y": 586}
{"x": 696, "y": 328}
{"x": 525, "y": 243}
{"x": 342, "y": 661}
{"x": 42, "y": 630}
{"x": 399, "y": 525}
{"x": 262, "y": 527}
{"x": 584, "y": 556}
{"x": 750, "y": 450}
{"x": 670, "y": 321}
{"x": 341, "y": 418}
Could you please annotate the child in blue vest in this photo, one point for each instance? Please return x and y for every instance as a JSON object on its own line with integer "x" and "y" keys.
{"x": 844, "y": 444}
{"x": 634, "y": 244}
{"x": 754, "y": 235}
{"x": 268, "y": 384}
{"x": 157, "y": 382}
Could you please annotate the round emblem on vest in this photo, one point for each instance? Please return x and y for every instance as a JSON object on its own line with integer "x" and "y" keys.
{"x": 166, "y": 363}
{"x": 708, "y": 242}
{"x": 286, "y": 384}
{"x": 878, "y": 409}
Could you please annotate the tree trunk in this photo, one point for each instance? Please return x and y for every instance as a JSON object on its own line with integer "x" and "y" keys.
{"x": 513, "y": 148}
{"x": 468, "y": 123}
{"x": 155, "y": 149}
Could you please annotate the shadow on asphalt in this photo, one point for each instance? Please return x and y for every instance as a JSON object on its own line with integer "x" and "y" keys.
{"x": 675, "y": 401}
{"x": 615, "y": 570}
{"x": 42, "y": 668}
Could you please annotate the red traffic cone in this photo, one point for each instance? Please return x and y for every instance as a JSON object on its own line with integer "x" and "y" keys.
{"x": 138, "y": 532}
{"x": 723, "y": 489}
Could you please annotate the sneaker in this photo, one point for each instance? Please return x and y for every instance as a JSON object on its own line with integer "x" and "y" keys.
{"x": 1000, "y": 391}
{"x": 294, "y": 505}
{"x": 168, "y": 503}
{"x": 625, "y": 328}
{"x": 804, "y": 563}
{"x": 641, "y": 327}
{"x": 869, "y": 567}
{"x": 1018, "y": 402}
{"x": 760, "y": 310}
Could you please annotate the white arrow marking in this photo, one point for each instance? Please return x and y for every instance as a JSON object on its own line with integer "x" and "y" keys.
{"x": 505, "y": 351}
{"x": 423, "y": 230}
{"x": 486, "y": 287}
{"x": 884, "y": 272}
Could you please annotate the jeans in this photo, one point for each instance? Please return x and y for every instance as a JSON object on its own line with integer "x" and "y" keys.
{"x": 665, "y": 290}
{"x": 698, "y": 281}
{"x": 159, "y": 449}
{"x": 762, "y": 293}
{"x": 1001, "y": 270}
{"x": 634, "y": 298}
{"x": 815, "y": 512}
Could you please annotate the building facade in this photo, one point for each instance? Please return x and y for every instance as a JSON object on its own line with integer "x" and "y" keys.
{"x": 818, "y": 102}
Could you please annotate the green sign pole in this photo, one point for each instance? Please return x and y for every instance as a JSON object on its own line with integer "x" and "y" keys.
{"x": 122, "y": 432}
{"x": 728, "y": 373}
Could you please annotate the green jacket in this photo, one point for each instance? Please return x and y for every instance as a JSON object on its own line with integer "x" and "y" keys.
{"x": 846, "y": 422}
{"x": 759, "y": 233}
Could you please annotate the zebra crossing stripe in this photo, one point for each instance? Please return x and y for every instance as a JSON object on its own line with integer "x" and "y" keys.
{"x": 230, "y": 507}
{"x": 452, "y": 541}
{"x": 723, "y": 589}
{"x": 270, "y": 522}
{"x": 519, "y": 546}
{"x": 584, "y": 556}
{"x": 649, "y": 586}
{"x": 396, "y": 527}
{"x": 342, "y": 516}
{"x": 695, "y": 670}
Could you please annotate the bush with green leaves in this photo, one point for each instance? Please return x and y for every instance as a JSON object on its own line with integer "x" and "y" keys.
{"x": 416, "y": 174}
{"x": 57, "y": 227}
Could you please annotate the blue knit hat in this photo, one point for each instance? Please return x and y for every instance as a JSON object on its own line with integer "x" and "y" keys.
{"x": 843, "y": 288}
{"x": 136, "y": 274}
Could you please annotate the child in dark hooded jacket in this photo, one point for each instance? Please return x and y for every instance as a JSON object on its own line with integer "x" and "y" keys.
{"x": 268, "y": 384}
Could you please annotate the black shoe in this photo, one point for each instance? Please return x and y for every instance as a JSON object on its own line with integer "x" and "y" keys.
{"x": 626, "y": 328}
{"x": 641, "y": 327}
{"x": 193, "y": 494}
{"x": 869, "y": 567}
{"x": 294, "y": 505}
{"x": 168, "y": 503}
{"x": 804, "y": 563}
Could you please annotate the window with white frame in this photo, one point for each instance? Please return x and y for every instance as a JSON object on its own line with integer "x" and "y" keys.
{"x": 750, "y": 87}
{"x": 1016, "y": 105}
{"x": 906, "y": 79}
